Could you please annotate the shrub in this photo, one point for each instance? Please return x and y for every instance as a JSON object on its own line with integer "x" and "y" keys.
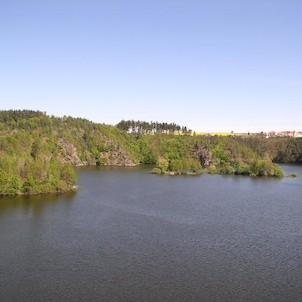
{"x": 292, "y": 174}
{"x": 278, "y": 171}
{"x": 242, "y": 169}
{"x": 157, "y": 171}
{"x": 212, "y": 169}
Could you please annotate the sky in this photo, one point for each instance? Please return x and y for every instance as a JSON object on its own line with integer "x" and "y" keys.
{"x": 212, "y": 65}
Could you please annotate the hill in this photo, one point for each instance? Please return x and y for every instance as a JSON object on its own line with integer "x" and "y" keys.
{"x": 38, "y": 152}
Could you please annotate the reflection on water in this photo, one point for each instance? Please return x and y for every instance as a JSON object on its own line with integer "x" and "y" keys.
{"x": 34, "y": 204}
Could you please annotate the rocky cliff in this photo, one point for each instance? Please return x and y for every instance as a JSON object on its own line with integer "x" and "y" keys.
{"x": 113, "y": 155}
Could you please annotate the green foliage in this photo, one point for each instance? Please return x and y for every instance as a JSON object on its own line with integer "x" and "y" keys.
{"x": 157, "y": 171}
{"x": 140, "y": 127}
{"x": 14, "y": 185}
{"x": 278, "y": 171}
{"x": 265, "y": 168}
{"x": 221, "y": 154}
{"x": 162, "y": 163}
{"x": 226, "y": 168}
{"x": 37, "y": 151}
{"x": 185, "y": 166}
{"x": 29, "y": 186}
{"x": 293, "y": 174}
{"x": 212, "y": 169}
{"x": 242, "y": 169}
{"x": 67, "y": 174}
{"x": 30, "y": 160}
{"x": 146, "y": 154}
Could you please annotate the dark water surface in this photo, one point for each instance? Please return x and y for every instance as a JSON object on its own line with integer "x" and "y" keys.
{"x": 127, "y": 235}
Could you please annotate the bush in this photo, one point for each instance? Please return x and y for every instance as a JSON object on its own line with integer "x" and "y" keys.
{"x": 265, "y": 168}
{"x": 212, "y": 169}
{"x": 157, "y": 171}
{"x": 242, "y": 169}
{"x": 29, "y": 186}
{"x": 162, "y": 163}
{"x": 185, "y": 166}
{"x": 68, "y": 174}
{"x": 226, "y": 169}
{"x": 278, "y": 171}
{"x": 14, "y": 186}
{"x": 292, "y": 174}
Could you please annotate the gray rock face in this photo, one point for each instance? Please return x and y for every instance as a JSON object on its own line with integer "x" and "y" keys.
{"x": 69, "y": 153}
{"x": 204, "y": 155}
{"x": 115, "y": 156}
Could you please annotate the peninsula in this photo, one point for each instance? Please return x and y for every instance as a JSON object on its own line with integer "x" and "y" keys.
{"x": 39, "y": 152}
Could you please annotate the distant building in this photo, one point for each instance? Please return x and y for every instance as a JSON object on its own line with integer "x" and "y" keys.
{"x": 287, "y": 133}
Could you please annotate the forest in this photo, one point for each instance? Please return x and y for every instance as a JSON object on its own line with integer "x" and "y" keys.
{"x": 39, "y": 153}
{"x": 142, "y": 127}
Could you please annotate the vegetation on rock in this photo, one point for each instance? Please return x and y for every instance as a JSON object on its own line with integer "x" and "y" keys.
{"x": 293, "y": 174}
{"x": 38, "y": 152}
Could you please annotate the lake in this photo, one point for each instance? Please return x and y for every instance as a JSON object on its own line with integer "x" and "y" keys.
{"x": 128, "y": 235}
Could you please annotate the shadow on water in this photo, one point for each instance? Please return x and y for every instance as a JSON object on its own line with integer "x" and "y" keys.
{"x": 35, "y": 204}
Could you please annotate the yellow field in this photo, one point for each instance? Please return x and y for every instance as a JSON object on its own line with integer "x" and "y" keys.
{"x": 206, "y": 133}
{"x": 215, "y": 133}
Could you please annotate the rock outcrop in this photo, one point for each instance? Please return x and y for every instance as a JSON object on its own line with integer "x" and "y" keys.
{"x": 116, "y": 157}
{"x": 113, "y": 156}
{"x": 204, "y": 155}
{"x": 69, "y": 153}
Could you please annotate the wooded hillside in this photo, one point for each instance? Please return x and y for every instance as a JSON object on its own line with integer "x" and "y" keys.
{"x": 38, "y": 152}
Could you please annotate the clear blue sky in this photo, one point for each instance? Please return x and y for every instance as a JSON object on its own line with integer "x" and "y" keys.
{"x": 211, "y": 65}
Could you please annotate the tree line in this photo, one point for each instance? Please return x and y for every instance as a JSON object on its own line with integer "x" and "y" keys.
{"x": 142, "y": 127}
{"x": 38, "y": 152}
